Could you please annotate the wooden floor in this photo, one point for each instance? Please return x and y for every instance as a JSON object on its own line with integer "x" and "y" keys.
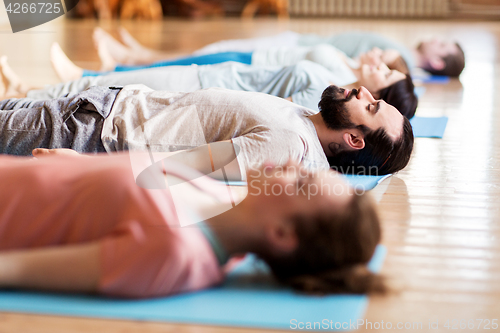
{"x": 441, "y": 214}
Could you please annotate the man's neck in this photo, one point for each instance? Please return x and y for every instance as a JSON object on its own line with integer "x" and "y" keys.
{"x": 326, "y": 135}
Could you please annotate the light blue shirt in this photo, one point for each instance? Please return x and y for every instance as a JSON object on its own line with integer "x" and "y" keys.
{"x": 355, "y": 42}
{"x": 304, "y": 82}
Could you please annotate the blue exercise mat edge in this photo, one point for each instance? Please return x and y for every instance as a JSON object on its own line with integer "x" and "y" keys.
{"x": 99, "y": 307}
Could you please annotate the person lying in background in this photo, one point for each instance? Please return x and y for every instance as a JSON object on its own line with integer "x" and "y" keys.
{"x": 353, "y": 132}
{"x": 401, "y": 95}
{"x": 325, "y": 54}
{"x": 92, "y": 229}
{"x": 436, "y": 56}
{"x": 302, "y": 83}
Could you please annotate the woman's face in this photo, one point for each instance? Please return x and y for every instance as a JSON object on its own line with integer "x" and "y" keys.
{"x": 291, "y": 189}
{"x": 376, "y": 78}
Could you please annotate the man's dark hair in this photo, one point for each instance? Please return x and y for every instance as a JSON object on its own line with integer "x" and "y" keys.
{"x": 454, "y": 64}
{"x": 402, "y": 96}
{"x": 380, "y": 156}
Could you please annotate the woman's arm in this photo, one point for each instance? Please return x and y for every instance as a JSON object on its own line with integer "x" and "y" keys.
{"x": 73, "y": 268}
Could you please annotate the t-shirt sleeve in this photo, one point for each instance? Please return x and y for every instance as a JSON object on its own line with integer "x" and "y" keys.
{"x": 274, "y": 146}
{"x": 140, "y": 261}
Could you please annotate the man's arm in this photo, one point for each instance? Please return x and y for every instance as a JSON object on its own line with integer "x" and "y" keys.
{"x": 73, "y": 268}
{"x": 43, "y": 152}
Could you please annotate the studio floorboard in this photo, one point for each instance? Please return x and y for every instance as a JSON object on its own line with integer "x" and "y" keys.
{"x": 441, "y": 214}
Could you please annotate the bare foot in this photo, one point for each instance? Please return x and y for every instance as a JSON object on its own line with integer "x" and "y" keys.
{"x": 43, "y": 152}
{"x": 3, "y": 82}
{"x": 64, "y": 67}
{"x": 108, "y": 63}
{"x": 12, "y": 83}
{"x": 113, "y": 49}
{"x": 131, "y": 41}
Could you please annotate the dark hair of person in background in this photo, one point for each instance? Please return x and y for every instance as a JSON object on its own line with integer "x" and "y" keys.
{"x": 402, "y": 96}
{"x": 453, "y": 64}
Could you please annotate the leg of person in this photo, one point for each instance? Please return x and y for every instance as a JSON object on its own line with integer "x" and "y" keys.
{"x": 12, "y": 84}
{"x": 64, "y": 67}
{"x": 208, "y": 59}
{"x": 172, "y": 78}
{"x": 130, "y": 53}
{"x": 73, "y": 122}
{"x": 287, "y": 38}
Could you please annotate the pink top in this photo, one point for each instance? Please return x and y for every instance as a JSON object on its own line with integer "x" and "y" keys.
{"x": 68, "y": 200}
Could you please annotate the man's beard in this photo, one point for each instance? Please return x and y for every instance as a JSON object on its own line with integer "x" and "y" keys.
{"x": 333, "y": 108}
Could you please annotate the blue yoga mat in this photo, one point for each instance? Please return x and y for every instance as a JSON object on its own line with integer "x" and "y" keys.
{"x": 429, "y": 127}
{"x": 430, "y": 79}
{"x": 249, "y": 298}
{"x": 419, "y": 91}
{"x": 365, "y": 182}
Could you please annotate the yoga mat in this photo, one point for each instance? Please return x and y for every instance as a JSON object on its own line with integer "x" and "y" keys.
{"x": 429, "y": 127}
{"x": 436, "y": 79}
{"x": 365, "y": 182}
{"x": 248, "y": 299}
{"x": 419, "y": 91}
{"x": 427, "y": 78}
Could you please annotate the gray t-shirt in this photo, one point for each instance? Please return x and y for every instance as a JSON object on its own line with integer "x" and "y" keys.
{"x": 265, "y": 128}
{"x": 355, "y": 42}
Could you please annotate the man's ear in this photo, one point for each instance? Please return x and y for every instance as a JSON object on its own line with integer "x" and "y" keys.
{"x": 354, "y": 139}
{"x": 282, "y": 237}
{"x": 436, "y": 63}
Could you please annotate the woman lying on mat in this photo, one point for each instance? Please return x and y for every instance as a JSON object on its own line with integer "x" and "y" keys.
{"x": 302, "y": 82}
{"x": 90, "y": 224}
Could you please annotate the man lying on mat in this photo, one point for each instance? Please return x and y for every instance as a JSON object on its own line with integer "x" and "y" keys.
{"x": 353, "y": 132}
{"x": 90, "y": 227}
{"x": 436, "y": 56}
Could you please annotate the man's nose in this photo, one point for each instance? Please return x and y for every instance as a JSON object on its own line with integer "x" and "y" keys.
{"x": 365, "y": 94}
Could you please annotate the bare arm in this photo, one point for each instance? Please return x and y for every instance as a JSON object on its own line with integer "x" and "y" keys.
{"x": 212, "y": 157}
{"x": 74, "y": 268}
{"x": 206, "y": 159}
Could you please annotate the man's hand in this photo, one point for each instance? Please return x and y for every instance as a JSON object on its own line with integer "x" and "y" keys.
{"x": 42, "y": 152}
